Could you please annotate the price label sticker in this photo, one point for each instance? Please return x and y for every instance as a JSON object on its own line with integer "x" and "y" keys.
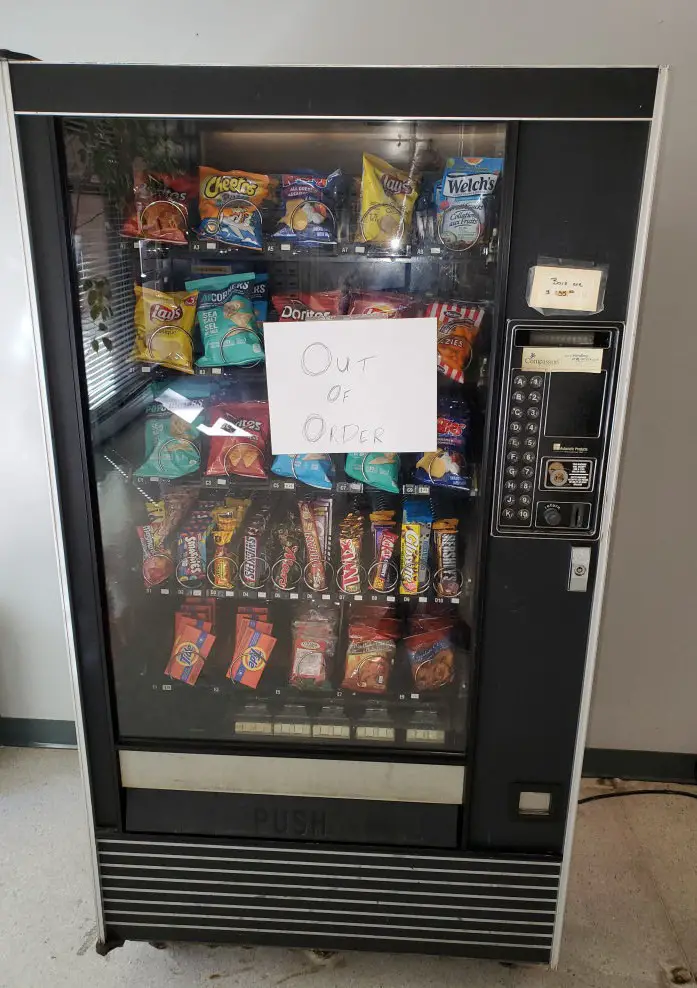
{"x": 568, "y": 289}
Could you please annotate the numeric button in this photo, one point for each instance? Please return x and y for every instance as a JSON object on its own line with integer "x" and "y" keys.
{"x": 531, "y": 427}
{"x": 525, "y": 500}
{"x": 536, "y": 381}
{"x": 528, "y": 457}
{"x": 535, "y": 397}
{"x": 524, "y": 514}
{"x": 530, "y": 442}
{"x": 533, "y": 413}
{"x": 525, "y": 485}
{"x": 526, "y": 472}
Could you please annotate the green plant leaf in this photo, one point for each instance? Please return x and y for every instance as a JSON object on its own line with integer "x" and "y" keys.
{"x": 95, "y": 345}
{"x": 95, "y": 312}
{"x": 92, "y": 297}
{"x": 107, "y": 342}
{"x": 87, "y": 283}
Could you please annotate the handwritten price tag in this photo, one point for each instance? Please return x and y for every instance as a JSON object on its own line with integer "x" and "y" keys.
{"x": 352, "y": 385}
{"x": 571, "y": 289}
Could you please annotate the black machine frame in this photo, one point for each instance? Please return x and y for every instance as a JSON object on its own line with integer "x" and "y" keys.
{"x": 572, "y": 133}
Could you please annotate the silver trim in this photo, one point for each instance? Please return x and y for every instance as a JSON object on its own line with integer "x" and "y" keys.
{"x": 362, "y": 935}
{"x": 611, "y": 476}
{"x": 311, "y": 874}
{"x": 6, "y": 97}
{"x": 314, "y": 898}
{"x": 324, "y": 116}
{"x": 324, "y": 911}
{"x": 330, "y": 864}
{"x": 332, "y": 853}
{"x": 410, "y": 782}
{"x": 316, "y": 922}
{"x": 325, "y": 888}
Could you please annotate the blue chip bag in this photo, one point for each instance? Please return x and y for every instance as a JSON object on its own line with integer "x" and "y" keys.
{"x": 463, "y": 200}
{"x": 380, "y": 470}
{"x": 225, "y": 315}
{"x": 310, "y": 204}
{"x": 260, "y": 299}
{"x": 172, "y": 446}
{"x": 314, "y": 469}
{"x": 446, "y": 467}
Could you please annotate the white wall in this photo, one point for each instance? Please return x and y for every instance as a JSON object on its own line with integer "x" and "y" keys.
{"x": 647, "y": 678}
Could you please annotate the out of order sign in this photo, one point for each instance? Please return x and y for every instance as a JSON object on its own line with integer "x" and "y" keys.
{"x": 352, "y": 385}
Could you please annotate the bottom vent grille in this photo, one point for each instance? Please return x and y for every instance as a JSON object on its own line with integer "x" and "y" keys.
{"x": 311, "y": 896}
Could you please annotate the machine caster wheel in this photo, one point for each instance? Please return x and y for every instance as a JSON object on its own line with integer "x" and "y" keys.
{"x": 158, "y": 944}
{"x": 104, "y": 947}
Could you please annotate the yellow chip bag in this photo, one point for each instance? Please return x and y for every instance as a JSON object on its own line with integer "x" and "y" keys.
{"x": 164, "y": 324}
{"x": 388, "y": 196}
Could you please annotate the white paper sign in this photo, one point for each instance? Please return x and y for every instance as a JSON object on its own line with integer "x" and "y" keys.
{"x": 571, "y": 289}
{"x": 352, "y": 385}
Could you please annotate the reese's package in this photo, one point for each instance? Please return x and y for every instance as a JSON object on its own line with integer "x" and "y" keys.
{"x": 225, "y": 313}
{"x": 164, "y": 325}
{"x": 388, "y": 195}
{"x": 229, "y": 204}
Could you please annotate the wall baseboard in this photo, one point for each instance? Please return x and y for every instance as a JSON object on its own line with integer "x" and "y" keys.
{"x": 30, "y": 732}
{"x": 640, "y": 766}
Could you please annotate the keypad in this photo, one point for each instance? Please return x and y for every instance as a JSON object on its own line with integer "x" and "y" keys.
{"x": 525, "y": 400}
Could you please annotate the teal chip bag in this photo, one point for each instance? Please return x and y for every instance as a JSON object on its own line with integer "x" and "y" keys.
{"x": 172, "y": 445}
{"x": 225, "y": 316}
{"x": 379, "y": 470}
{"x": 314, "y": 469}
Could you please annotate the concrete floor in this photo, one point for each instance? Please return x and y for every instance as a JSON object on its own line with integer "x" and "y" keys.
{"x": 632, "y": 912}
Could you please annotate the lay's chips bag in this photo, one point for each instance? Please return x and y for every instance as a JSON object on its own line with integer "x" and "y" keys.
{"x": 388, "y": 196}
{"x": 164, "y": 325}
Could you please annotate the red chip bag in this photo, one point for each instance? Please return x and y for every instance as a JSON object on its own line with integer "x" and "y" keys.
{"x": 160, "y": 209}
{"x": 239, "y": 439}
{"x": 307, "y": 305}
{"x": 382, "y": 305}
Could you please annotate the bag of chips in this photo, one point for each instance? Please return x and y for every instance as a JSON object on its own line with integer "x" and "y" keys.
{"x": 310, "y": 206}
{"x": 164, "y": 325}
{"x": 160, "y": 208}
{"x": 382, "y": 305}
{"x": 458, "y": 327}
{"x": 225, "y": 314}
{"x": 388, "y": 195}
{"x": 369, "y": 659}
{"x": 431, "y": 658}
{"x": 260, "y": 300}
{"x": 314, "y": 469}
{"x": 446, "y": 466}
{"x": 239, "y": 436}
{"x": 314, "y": 643}
{"x": 379, "y": 470}
{"x": 172, "y": 445}
{"x": 229, "y": 206}
{"x": 463, "y": 200}
{"x": 307, "y": 305}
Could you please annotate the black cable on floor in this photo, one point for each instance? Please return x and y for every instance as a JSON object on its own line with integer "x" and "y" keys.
{"x": 638, "y": 792}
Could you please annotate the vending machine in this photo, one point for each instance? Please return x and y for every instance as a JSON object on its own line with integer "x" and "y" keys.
{"x": 336, "y": 364}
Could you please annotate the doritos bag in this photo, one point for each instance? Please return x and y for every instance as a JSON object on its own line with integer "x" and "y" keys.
{"x": 160, "y": 208}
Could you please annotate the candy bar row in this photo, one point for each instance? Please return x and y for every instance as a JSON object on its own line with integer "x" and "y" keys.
{"x": 241, "y": 209}
{"x": 249, "y": 542}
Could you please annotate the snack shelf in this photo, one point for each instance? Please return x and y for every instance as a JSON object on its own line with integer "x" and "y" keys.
{"x": 282, "y": 484}
{"x": 332, "y": 597}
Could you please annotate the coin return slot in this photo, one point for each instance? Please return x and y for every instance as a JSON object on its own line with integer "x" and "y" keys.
{"x": 534, "y": 803}
{"x": 577, "y": 516}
